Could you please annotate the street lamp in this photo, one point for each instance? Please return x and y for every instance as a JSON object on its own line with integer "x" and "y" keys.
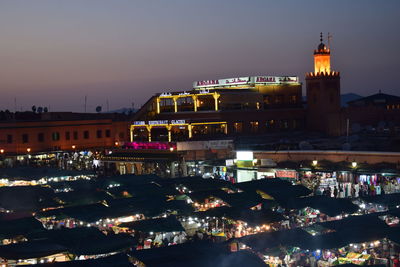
{"x": 1, "y": 151}
{"x": 116, "y": 143}
{"x": 354, "y": 164}
{"x": 314, "y": 162}
{"x": 171, "y": 149}
{"x": 28, "y": 150}
{"x": 73, "y": 146}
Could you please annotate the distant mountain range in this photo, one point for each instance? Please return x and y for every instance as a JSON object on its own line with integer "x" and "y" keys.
{"x": 346, "y": 98}
{"x": 122, "y": 110}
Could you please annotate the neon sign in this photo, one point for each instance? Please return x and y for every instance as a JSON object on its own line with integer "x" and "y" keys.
{"x": 151, "y": 145}
{"x": 158, "y": 122}
{"x": 245, "y": 81}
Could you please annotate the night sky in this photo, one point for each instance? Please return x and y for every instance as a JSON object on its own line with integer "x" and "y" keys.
{"x": 54, "y": 52}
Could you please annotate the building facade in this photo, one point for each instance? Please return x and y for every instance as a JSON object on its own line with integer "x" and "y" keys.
{"x": 234, "y": 106}
{"x": 245, "y": 105}
{"x": 28, "y": 132}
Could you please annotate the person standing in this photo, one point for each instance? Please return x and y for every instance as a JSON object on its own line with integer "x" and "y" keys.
{"x": 328, "y": 192}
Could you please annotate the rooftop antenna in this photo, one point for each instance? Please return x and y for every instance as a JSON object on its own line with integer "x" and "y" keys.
{"x": 329, "y": 40}
{"x": 108, "y": 109}
{"x": 85, "y": 102}
{"x": 320, "y": 37}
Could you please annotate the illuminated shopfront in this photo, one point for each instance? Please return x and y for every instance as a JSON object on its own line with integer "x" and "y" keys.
{"x": 202, "y": 100}
{"x": 215, "y": 108}
{"x": 174, "y": 130}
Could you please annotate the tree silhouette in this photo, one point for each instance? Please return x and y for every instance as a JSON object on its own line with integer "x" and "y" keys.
{"x": 33, "y": 108}
{"x": 39, "y": 109}
{"x": 98, "y": 109}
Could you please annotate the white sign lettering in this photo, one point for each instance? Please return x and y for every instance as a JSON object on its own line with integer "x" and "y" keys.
{"x": 222, "y": 82}
{"x": 245, "y": 81}
{"x": 205, "y": 91}
{"x": 178, "y": 122}
{"x": 158, "y": 122}
{"x": 166, "y": 94}
{"x": 276, "y": 79}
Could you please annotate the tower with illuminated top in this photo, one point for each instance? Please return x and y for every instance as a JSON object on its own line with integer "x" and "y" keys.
{"x": 323, "y": 94}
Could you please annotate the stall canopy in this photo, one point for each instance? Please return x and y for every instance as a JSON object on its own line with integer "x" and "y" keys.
{"x": 263, "y": 241}
{"x": 117, "y": 260}
{"x": 393, "y": 234}
{"x": 277, "y": 188}
{"x": 82, "y": 197}
{"x": 77, "y": 185}
{"x": 251, "y": 217}
{"x": 91, "y": 213}
{"x": 198, "y": 184}
{"x": 149, "y": 206}
{"x": 390, "y": 200}
{"x": 149, "y": 189}
{"x": 159, "y": 225}
{"x": 201, "y": 253}
{"x": 30, "y": 173}
{"x": 30, "y": 250}
{"x": 129, "y": 180}
{"x": 327, "y": 205}
{"x": 241, "y": 200}
{"x": 222, "y": 259}
{"x": 394, "y": 212}
{"x": 26, "y": 198}
{"x": 364, "y": 221}
{"x": 85, "y": 240}
{"x": 354, "y": 229}
{"x": 19, "y": 227}
{"x": 86, "y": 213}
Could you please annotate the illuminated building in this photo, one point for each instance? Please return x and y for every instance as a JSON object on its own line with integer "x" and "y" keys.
{"x": 260, "y": 104}
{"x": 242, "y": 105}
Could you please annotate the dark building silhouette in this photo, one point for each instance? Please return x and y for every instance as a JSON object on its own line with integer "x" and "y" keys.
{"x": 323, "y": 94}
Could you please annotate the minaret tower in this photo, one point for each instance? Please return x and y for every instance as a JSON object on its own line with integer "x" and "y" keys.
{"x": 323, "y": 93}
{"x": 322, "y": 58}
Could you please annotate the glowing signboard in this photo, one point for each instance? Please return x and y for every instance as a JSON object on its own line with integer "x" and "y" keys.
{"x": 158, "y": 122}
{"x": 222, "y": 82}
{"x": 244, "y": 155}
{"x": 245, "y": 81}
{"x": 143, "y": 123}
{"x": 276, "y": 79}
{"x": 178, "y": 121}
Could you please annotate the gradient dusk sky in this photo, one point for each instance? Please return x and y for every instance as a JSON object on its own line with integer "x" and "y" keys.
{"x": 54, "y": 52}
